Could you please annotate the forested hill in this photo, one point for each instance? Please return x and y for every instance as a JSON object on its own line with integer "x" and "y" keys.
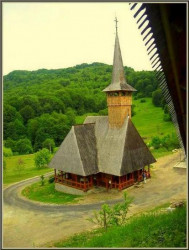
{"x": 42, "y": 104}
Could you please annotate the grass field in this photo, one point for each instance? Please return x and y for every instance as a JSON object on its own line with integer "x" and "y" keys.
{"x": 48, "y": 194}
{"x": 13, "y": 174}
{"x": 149, "y": 230}
{"x": 149, "y": 120}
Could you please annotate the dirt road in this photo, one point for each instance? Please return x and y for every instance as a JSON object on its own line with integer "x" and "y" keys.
{"x": 30, "y": 224}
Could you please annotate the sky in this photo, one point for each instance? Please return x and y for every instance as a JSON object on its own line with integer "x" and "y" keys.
{"x": 60, "y": 35}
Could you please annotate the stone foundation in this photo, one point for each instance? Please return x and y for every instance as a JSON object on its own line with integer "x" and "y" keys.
{"x": 69, "y": 190}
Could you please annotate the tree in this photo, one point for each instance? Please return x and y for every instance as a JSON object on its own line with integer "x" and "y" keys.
{"x": 20, "y": 165}
{"x": 24, "y": 146}
{"x": 14, "y": 130}
{"x": 49, "y": 144}
{"x": 42, "y": 158}
{"x": 27, "y": 113}
{"x": 9, "y": 143}
{"x": 10, "y": 114}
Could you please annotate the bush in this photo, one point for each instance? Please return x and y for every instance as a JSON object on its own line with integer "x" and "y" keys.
{"x": 51, "y": 179}
{"x": 156, "y": 142}
{"x": 167, "y": 117}
{"x": 112, "y": 216}
{"x": 56, "y": 149}
{"x": 157, "y": 98}
{"x": 103, "y": 112}
{"x": 42, "y": 180}
{"x": 42, "y": 158}
{"x": 170, "y": 142}
{"x": 7, "y": 152}
{"x": 142, "y": 100}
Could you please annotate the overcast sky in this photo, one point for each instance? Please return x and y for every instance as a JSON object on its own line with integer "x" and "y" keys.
{"x": 60, "y": 35}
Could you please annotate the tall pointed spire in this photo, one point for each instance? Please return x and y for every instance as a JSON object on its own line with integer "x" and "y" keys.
{"x": 118, "y": 76}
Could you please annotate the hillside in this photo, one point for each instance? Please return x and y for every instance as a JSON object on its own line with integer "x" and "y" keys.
{"x": 44, "y": 104}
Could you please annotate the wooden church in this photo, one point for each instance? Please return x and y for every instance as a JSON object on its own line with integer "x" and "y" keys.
{"x": 106, "y": 150}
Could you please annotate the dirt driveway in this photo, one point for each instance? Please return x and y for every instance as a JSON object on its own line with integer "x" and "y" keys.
{"x": 28, "y": 224}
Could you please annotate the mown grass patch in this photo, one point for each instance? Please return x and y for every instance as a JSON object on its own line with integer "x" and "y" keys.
{"x": 48, "y": 194}
{"x": 28, "y": 170}
{"x": 149, "y": 230}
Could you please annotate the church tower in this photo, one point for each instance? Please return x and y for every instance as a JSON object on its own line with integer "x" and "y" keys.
{"x": 119, "y": 93}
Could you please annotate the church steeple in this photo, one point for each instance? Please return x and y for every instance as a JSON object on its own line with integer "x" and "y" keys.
{"x": 119, "y": 93}
{"x": 118, "y": 76}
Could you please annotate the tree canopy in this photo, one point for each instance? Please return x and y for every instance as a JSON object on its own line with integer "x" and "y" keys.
{"x": 42, "y": 104}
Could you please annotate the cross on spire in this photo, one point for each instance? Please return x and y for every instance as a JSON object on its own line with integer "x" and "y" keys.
{"x": 116, "y": 21}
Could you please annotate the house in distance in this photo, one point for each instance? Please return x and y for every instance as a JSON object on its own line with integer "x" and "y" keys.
{"x": 106, "y": 150}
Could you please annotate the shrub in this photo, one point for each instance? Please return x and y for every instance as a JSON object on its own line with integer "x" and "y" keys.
{"x": 112, "y": 216}
{"x": 42, "y": 158}
{"x": 42, "y": 180}
{"x": 7, "y": 152}
{"x": 56, "y": 149}
{"x": 142, "y": 100}
{"x": 51, "y": 179}
{"x": 167, "y": 117}
{"x": 157, "y": 98}
{"x": 170, "y": 142}
{"x": 156, "y": 142}
{"x": 103, "y": 112}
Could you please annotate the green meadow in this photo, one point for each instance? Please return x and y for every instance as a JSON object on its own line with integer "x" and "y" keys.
{"x": 149, "y": 120}
{"x": 14, "y": 174}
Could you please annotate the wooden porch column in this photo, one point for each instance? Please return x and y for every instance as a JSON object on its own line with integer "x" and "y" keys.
{"x": 119, "y": 183}
{"x": 84, "y": 183}
{"x": 91, "y": 180}
{"x": 149, "y": 170}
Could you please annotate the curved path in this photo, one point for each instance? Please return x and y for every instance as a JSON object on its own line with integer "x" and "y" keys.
{"x": 12, "y": 197}
{"x": 30, "y": 224}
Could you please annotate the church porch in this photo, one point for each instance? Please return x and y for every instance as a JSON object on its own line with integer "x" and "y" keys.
{"x": 72, "y": 180}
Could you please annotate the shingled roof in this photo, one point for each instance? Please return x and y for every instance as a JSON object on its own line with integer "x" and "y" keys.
{"x": 95, "y": 147}
{"x": 77, "y": 153}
